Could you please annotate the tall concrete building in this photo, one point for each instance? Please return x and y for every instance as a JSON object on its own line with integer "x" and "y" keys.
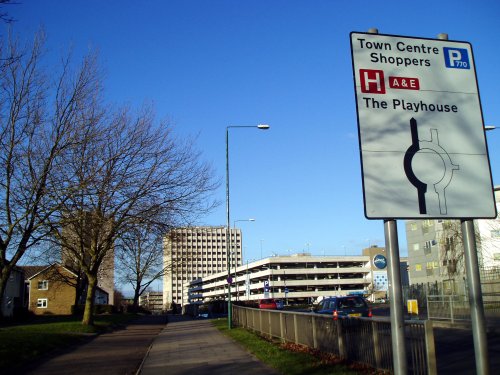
{"x": 194, "y": 252}
{"x": 435, "y": 250}
{"x": 76, "y": 239}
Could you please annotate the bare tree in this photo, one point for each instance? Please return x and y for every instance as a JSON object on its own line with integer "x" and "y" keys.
{"x": 452, "y": 248}
{"x": 140, "y": 259}
{"x": 131, "y": 172}
{"x": 4, "y": 16}
{"x": 452, "y": 251}
{"x": 40, "y": 120}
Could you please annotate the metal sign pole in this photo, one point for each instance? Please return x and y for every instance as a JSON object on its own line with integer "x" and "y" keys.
{"x": 396, "y": 298}
{"x": 475, "y": 298}
{"x": 475, "y": 295}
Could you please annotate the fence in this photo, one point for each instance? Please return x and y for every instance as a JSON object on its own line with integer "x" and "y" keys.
{"x": 448, "y": 299}
{"x": 457, "y": 308}
{"x": 362, "y": 340}
{"x": 448, "y": 307}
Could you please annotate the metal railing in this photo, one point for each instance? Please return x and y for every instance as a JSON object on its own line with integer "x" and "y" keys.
{"x": 362, "y": 340}
{"x": 457, "y": 308}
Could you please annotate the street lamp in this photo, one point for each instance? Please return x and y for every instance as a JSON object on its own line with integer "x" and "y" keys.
{"x": 228, "y": 226}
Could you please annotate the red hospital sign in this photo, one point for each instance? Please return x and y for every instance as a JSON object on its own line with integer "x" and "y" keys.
{"x": 372, "y": 81}
{"x": 404, "y": 83}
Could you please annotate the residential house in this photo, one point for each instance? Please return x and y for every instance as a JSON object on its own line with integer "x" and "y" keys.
{"x": 52, "y": 291}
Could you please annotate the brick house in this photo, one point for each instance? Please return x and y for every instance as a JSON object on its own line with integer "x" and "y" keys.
{"x": 52, "y": 291}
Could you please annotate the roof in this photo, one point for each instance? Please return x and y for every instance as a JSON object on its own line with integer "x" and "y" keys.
{"x": 44, "y": 268}
{"x": 30, "y": 271}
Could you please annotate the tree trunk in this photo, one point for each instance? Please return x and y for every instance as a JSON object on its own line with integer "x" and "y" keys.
{"x": 4, "y": 278}
{"x": 88, "y": 313}
{"x": 135, "y": 305}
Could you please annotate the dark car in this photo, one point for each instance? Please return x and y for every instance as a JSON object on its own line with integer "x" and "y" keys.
{"x": 344, "y": 307}
{"x": 279, "y": 304}
{"x": 268, "y": 303}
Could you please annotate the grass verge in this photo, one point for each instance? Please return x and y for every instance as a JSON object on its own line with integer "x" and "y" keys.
{"x": 277, "y": 356}
{"x": 25, "y": 343}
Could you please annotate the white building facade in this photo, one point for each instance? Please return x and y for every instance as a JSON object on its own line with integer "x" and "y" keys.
{"x": 195, "y": 252}
{"x": 299, "y": 278}
{"x": 435, "y": 250}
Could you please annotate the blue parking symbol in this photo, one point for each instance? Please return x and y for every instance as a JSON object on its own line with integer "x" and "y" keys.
{"x": 457, "y": 58}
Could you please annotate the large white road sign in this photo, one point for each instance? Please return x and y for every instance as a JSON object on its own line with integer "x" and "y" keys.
{"x": 421, "y": 131}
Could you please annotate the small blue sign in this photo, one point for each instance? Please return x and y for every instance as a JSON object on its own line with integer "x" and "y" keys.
{"x": 456, "y": 58}
{"x": 380, "y": 261}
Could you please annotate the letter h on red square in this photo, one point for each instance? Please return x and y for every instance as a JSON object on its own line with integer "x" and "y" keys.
{"x": 372, "y": 81}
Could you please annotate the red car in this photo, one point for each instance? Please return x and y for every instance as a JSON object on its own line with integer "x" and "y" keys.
{"x": 268, "y": 303}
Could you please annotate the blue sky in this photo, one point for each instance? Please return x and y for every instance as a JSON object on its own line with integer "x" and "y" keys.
{"x": 209, "y": 64}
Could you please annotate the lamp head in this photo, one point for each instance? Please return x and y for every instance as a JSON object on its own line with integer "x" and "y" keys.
{"x": 263, "y": 126}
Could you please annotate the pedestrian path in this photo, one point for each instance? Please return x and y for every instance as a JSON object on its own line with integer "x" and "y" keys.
{"x": 116, "y": 353}
{"x": 196, "y": 347}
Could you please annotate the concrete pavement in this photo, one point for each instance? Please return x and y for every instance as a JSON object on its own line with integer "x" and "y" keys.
{"x": 116, "y": 353}
{"x": 195, "y": 347}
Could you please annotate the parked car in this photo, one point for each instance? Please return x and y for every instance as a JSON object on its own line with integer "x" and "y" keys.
{"x": 279, "y": 304}
{"x": 268, "y": 303}
{"x": 344, "y": 307}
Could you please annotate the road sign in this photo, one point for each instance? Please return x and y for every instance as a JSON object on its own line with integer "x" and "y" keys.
{"x": 380, "y": 261}
{"x": 421, "y": 132}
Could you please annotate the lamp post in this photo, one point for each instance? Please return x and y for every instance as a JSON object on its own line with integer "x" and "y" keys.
{"x": 228, "y": 226}
{"x": 235, "y": 259}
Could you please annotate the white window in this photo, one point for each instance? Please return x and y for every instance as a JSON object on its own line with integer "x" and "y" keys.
{"x": 416, "y": 246}
{"x": 43, "y": 285}
{"x": 427, "y": 223}
{"x": 41, "y": 303}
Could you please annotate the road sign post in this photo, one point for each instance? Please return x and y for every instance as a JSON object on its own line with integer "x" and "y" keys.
{"x": 396, "y": 299}
{"x": 423, "y": 152}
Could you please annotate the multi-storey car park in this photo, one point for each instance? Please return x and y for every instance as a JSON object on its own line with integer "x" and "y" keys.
{"x": 298, "y": 278}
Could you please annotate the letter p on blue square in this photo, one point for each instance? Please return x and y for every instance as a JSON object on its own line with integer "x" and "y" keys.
{"x": 457, "y": 58}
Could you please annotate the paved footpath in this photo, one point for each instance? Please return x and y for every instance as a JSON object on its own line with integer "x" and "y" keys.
{"x": 116, "y": 353}
{"x": 196, "y": 347}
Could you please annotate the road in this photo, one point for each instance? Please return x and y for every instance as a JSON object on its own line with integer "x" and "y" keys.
{"x": 455, "y": 346}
